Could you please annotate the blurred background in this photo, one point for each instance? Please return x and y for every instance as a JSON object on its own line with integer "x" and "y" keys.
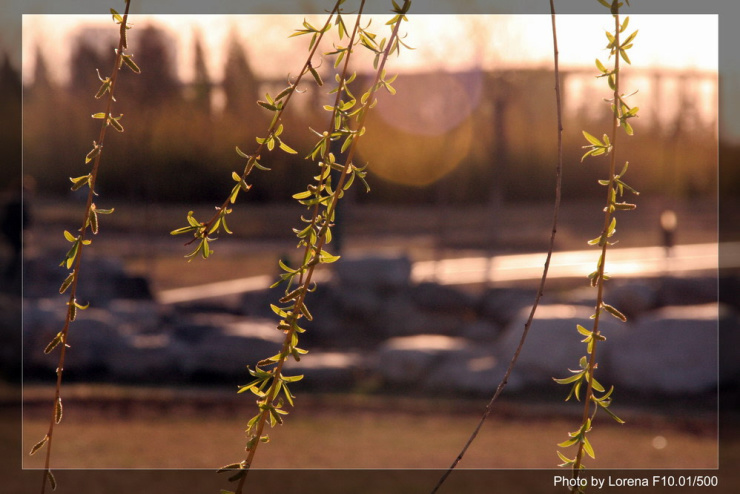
{"x": 415, "y": 325}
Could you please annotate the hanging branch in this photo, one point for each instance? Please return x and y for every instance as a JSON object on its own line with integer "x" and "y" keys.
{"x": 584, "y": 376}
{"x": 90, "y": 224}
{"x": 543, "y": 279}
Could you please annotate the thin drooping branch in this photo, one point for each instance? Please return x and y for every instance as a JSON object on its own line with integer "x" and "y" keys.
{"x": 543, "y": 279}
{"x": 602, "y": 263}
{"x": 72, "y": 304}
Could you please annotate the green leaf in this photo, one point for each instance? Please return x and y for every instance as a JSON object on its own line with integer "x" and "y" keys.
{"x": 66, "y": 283}
{"x": 116, "y": 16}
{"x": 613, "y": 311}
{"x": 291, "y": 379}
{"x": 237, "y": 476}
{"x": 583, "y": 331}
{"x": 131, "y": 64}
{"x": 232, "y": 466}
{"x": 627, "y": 128}
{"x": 303, "y": 195}
{"x": 566, "y": 461}
{"x": 327, "y": 258}
{"x": 287, "y": 148}
{"x": 54, "y": 343}
{"x": 588, "y": 448}
{"x": 266, "y": 105}
{"x": 185, "y": 229}
{"x": 113, "y": 122}
{"x": 58, "y": 411}
{"x": 104, "y": 88}
{"x": 625, "y": 57}
{"x": 568, "y": 380}
{"x": 568, "y": 442}
{"x": 39, "y": 445}
{"x": 315, "y": 75}
{"x": 593, "y": 140}
{"x": 52, "y": 480}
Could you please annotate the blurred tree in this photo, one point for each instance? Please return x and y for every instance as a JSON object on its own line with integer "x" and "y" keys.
{"x": 10, "y": 130}
{"x": 88, "y": 56}
{"x": 42, "y": 84}
{"x": 201, "y": 88}
{"x": 241, "y": 88}
{"x": 158, "y": 84}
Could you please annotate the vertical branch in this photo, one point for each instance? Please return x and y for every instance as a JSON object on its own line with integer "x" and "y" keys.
{"x": 89, "y": 223}
{"x": 615, "y": 186}
{"x": 543, "y": 279}
{"x": 588, "y": 398}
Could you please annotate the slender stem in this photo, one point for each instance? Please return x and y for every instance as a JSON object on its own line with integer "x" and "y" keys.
{"x": 78, "y": 258}
{"x": 600, "y": 276}
{"x": 540, "y": 291}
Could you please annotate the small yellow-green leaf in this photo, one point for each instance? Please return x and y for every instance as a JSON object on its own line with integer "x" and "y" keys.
{"x": 302, "y": 195}
{"x": 39, "y": 445}
{"x": 52, "y": 480}
{"x": 67, "y": 281}
{"x": 58, "y": 411}
{"x": 287, "y": 148}
{"x": 131, "y": 64}
{"x": 593, "y": 140}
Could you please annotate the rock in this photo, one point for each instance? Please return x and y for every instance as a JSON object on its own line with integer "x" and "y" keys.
{"x": 553, "y": 343}
{"x": 328, "y": 371}
{"x": 226, "y": 349}
{"x": 407, "y": 360}
{"x": 470, "y": 369}
{"x": 440, "y": 298}
{"x": 379, "y": 272}
{"x": 136, "y": 316}
{"x": 687, "y": 291}
{"x": 671, "y": 351}
{"x": 480, "y": 331}
{"x": 147, "y": 358}
{"x": 633, "y": 297}
{"x": 502, "y": 305}
{"x": 102, "y": 280}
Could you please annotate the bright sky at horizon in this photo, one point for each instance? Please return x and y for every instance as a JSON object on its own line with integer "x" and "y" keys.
{"x": 442, "y": 42}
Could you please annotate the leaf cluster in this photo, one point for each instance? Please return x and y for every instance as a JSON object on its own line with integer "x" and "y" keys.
{"x": 345, "y": 127}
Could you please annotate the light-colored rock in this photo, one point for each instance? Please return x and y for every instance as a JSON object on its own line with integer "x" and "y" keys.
{"x": 553, "y": 344}
{"x": 328, "y": 371}
{"x": 226, "y": 349}
{"x": 471, "y": 369}
{"x": 407, "y": 360}
{"x": 502, "y": 305}
{"x": 379, "y": 272}
{"x": 673, "y": 350}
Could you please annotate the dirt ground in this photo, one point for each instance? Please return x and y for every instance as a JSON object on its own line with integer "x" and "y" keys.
{"x": 202, "y": 429}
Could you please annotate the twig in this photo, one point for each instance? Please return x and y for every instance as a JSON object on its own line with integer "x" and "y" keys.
{"x": 540, "y": 291}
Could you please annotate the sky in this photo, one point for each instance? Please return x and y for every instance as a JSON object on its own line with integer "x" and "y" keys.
{"x": 441, "y": 41}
